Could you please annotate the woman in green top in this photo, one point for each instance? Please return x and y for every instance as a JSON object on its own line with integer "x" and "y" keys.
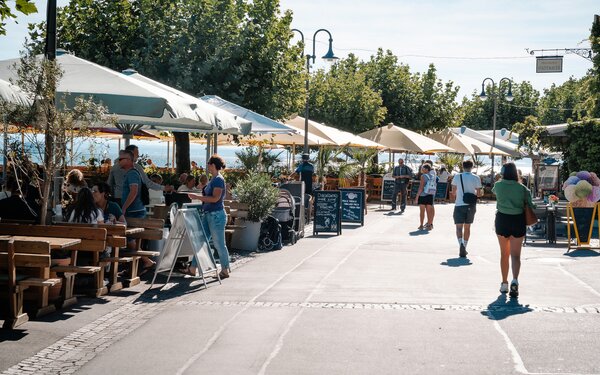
{"x": 511, "y": 197}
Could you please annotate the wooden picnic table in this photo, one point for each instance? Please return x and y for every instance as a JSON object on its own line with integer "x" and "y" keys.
{"x": 129, "y": 231}
{"x": 56, "y": 243}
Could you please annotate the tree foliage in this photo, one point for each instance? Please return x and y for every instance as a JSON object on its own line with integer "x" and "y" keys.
{"x": 582, "y": 152}
{"x": 563, "y": 102}
{"x": 6, "y": 11}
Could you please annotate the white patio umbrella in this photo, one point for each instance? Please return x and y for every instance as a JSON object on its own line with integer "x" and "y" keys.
{"x": 508, "y": 147}
{"x": 11, "y": 94}
{"x": 221, "y": 120}
{"x": 400, "y": 139}
{"x": 464, "y": 144}
{"x": 135, "y": 105}
{"x": 335, "y": 136}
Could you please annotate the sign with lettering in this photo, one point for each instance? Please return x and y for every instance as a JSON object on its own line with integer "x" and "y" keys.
{"x": 549, "y": 64}
{"x": 353, "y": 205}
{"x": 327, "y": 215}
{"x": 387, "y": 189}
{"x": 441, "y": 190}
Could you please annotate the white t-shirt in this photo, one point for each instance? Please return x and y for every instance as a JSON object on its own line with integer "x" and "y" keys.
{"x": 98, "y": 220}
{"x": 444, "y": 176}
{"x": 471, "y": 182}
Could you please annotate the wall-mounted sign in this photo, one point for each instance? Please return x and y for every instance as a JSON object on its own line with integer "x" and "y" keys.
{"x": 548, "y": 64}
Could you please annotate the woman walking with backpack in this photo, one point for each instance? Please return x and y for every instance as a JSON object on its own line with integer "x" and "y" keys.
{"x": 426, "y": 193}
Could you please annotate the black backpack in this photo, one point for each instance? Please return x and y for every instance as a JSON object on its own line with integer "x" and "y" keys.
{"x": 145, "y": 193}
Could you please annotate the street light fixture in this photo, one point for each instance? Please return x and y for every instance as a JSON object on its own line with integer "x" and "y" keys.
{"x": 329, "y": 57}
{"x": 509, "y": 97}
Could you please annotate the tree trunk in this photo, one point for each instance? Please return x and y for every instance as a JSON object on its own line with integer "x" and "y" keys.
{"x": 182, "y": 152}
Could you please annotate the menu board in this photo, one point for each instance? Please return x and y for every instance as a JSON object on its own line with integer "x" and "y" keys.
{"x": 441, "y": 190}
{"x": 583, "y": 218}
{"x": 353, "y": 205}
{"x": 387, "y": 190}
{"x": 327, "y": 215}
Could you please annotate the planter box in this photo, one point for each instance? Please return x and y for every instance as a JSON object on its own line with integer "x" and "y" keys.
{"x": 246, "y": 238}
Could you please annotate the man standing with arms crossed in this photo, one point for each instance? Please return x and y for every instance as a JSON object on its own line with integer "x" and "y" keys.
{"x": 402, "y": 175}
{"x": 466, "y": 187}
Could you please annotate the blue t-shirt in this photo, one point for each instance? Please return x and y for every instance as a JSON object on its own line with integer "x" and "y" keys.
{"x": 112, "y": 209}
{"x": 216, "y": 182}
{"x": 133, "y": 177}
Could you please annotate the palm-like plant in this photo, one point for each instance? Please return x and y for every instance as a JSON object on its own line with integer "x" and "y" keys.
{"x": 362, "y": 160}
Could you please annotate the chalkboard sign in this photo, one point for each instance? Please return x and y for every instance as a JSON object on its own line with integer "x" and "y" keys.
{"x": 441, "y": 190}
{"x": 353, "y": 205}
{"x": 387, "y": 189}
{"x": 327, "y": 215}
{"x": 583, "y": 218}
{"x": 414, "y": 188}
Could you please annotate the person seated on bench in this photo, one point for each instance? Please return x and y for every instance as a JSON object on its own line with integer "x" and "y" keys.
{"x": 85, "y": 209}
{"x": 111, "y": 211}
{"x": 16, "y": 207}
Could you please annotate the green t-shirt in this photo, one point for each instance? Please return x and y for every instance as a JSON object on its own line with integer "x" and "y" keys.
{"x": 511, "y": 196}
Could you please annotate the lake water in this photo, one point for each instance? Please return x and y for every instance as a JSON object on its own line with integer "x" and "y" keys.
{"x": 161, "y": 153}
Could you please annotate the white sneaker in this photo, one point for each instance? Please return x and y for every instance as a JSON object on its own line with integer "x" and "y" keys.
{"x": 504, "y": 288}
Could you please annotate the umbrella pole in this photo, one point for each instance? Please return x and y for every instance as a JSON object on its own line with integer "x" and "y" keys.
{"x": 215, "y": 143}
{"x": 173, "y": 156}
{"x": 168, "y": 153}
{"x": 5, "y": 151}
{"x": 207, "y": 150}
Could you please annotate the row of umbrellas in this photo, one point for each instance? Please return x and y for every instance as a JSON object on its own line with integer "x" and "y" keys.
{"x": 140, "y": 103}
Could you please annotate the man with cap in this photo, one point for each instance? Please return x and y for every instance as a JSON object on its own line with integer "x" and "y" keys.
{"x": 306, "y": 171}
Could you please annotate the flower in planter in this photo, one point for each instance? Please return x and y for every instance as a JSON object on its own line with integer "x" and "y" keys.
{"x": 553, "y": 199}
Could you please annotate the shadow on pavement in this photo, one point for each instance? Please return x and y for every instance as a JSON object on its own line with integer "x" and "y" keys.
{"x": 456, "y": 262}
{"x": 12, "y": 334}
{"x": 394, "y": 213}
{"x": 177, "y": 287}
{"x": 503, "y": 307}
{"x": 582, "y": 253}
{"x": 418, "y": 232}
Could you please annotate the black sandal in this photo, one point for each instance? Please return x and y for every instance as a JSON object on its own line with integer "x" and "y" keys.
{"x": 186, "y": 271}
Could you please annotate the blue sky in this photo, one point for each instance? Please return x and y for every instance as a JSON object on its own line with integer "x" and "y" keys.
{"x": 467, "y": 40}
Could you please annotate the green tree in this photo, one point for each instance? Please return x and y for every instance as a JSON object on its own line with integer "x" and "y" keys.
{"x": 343, "y": 98}
{"x": 563, "y": 103}
{"x": 582, "y": 151}
{"x": 592, "y": 102}
{"x": 6, "y": 11}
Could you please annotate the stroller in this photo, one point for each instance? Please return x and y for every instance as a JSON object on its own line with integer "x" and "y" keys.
{"x": 270, "y": 235}
{"x": 284, "y": 211}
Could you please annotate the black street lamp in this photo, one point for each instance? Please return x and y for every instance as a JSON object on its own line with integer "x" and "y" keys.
{"x": 509, "y": 97}
{"x": 329, "y": 57}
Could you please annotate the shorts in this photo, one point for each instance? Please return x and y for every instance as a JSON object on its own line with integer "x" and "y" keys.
{"x": 510, "y": 225}
{"x": 464, "y": 214}
{"x": 426, "y": 200}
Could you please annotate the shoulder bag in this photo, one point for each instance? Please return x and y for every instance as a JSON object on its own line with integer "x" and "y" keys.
{"x": 468, "y": 198}
{"x": 530, "y": 217}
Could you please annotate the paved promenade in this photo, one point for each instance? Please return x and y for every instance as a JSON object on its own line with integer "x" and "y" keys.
{"x": 379, "y": 299}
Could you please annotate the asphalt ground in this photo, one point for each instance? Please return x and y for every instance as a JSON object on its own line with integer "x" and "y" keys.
{"x": 384, "y": 298}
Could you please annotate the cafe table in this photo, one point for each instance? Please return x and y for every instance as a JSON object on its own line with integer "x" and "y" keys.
{"x": 56, "y": 243}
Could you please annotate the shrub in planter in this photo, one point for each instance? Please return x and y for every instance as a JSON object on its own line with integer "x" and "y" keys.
{"x": 257, "y": 191}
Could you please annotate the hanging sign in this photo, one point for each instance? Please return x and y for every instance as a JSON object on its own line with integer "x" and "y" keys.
{"x": 549, "y": 64}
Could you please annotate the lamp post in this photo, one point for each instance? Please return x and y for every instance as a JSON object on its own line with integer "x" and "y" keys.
{"x": 509, "y": 97}
{"x": 329, "y": 57}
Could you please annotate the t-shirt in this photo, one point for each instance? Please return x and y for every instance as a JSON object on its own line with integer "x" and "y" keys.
{"x": 92, "y": 219}
{"x": 306, "y": 170}
{"x": 216, "y": 182}
{"x": 428, "y": 178}
{"x": 132, "y": 177}
{"x": 471, "y": 182}
{"x": 511, "y": 196}
{"x": 402, "y": 171}
{"x": 443, "y": 177}
{"x": 112, "y": 209}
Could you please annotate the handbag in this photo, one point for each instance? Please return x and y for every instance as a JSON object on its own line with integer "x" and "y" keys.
{"x": 530, "y": 216}
{"x": 468, "y": 198}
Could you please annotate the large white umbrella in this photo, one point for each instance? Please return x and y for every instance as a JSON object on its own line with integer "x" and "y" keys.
{"x": 334, "y": 136}
{"x": 464, "y": 144}
{"x": 221, "y": 120}
{"x": 400, "y": 139}
{"x": 131, "y": 102}
{"x": 508, "y": 147}
{"x": 14, "y": 95}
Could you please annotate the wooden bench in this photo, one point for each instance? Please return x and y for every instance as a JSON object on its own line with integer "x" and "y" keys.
{"x": 92, "y": 240}
{"x": 153, "y": 230}
{"x": 14, "y": 256}
{"x": 116, "y": 238}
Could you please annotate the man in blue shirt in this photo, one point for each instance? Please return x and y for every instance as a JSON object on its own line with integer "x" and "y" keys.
{"x": 132, "y": 187}
{"x": 306, "y": 171}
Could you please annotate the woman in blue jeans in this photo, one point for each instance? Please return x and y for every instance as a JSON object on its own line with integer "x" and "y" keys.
{"x": 213, "y": 214}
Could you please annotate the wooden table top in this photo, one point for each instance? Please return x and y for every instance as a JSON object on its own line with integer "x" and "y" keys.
{"x": 133, "y": 230}
{"x": 55, "y": 242}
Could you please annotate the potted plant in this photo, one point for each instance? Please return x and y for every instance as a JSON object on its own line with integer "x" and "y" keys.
{"x": 257, "y": 191}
